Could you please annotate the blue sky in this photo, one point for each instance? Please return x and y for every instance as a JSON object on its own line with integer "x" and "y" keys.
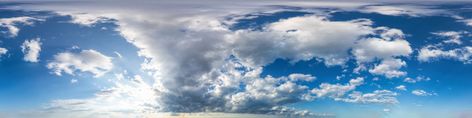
{"x": 278, "y": 58}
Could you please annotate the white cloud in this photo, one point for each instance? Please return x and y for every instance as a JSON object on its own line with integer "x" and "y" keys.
{"x": 85, "y": 61}
{"x": 468, "y": 22}
{"x": 10, "y": 24}
{"x": 336, "y": 90}
{"x": 127, "y": 99}
{"x": 85, "y": 19}
{"x": 301, "y": 38}
{"x": 3, "y": 51}
{"x": 453, "y": 36}
{"x": 378, "y": 96}
{"x": 420, "y": 93}
{"x": 188, "y": 57}
{"x": 73, "y": 81}
{"x": 399, "y": 10}
{"x": 370, "y": 49}
{"x": 417, "y": 79}
{"x": 430, "y": 53}
{"x": 389, "y": 68}
{"x": 401, "y": 87}
{"x": 31, "y": 49}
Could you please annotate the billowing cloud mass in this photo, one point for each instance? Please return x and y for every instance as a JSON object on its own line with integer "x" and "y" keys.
{"x": 11, "y": 24}
{"x": 199, "y": 64}
{"x": 85, "y": 61}
{"x": 31, "y": 49}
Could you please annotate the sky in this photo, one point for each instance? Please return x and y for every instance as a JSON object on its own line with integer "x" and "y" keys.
{"x": 208, "y": 58}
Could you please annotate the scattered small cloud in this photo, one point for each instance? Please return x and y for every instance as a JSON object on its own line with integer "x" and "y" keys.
{"x": 31, "y": 49}
{"x": 84, "y": 61}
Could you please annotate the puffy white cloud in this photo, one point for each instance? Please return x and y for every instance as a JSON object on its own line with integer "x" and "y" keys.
{"x": 188, "y": 57}
{"x": 420, "y": 93}
{"x": 401, "y": 87}
{"x": 336, "y": 90}
{"x": 389, "y": 68}
{"x": 301, "y": 38}
{"x": 429, "y": 53}
{"x": 31, "y": 49}
{"x": 378, "y": 96}
{"x": 10, "y": 24}
{"x": 84, "y": 61}
{"x": 370, "y": 49}
{"x": 3, "y": 51}
{"x": 387, "y": 47}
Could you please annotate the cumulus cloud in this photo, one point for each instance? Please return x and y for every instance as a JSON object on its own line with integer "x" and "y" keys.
{"x": 431, "y": 53}
{"x": 389, "y": 68}
{"x": 11, "y": 24}
{"x": 336, "y": 90}
{"x": 198, "y": 64}
{"x": 84, "y": 61}
{"x": 31, "y": 49}
{"x": 301, "y": 38}
{"x": 401, "y": 87}
{"x": 376, "y": 48}
{"x": 420, "y": 93}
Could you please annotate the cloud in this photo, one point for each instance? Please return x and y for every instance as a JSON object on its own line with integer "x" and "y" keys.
{"x": 378, "y": 96}
{"x": 430, "y": 53}
{"x": 84, "y": 61}
{"x": 301, "y": 38}
{"x": 417, "y": 79}
{"x": 402, "y": 9}
{"x": 389, "y": 68}
{"x": 336, "y": 90}
{"x": 85, "y": 19}
{"x": 198, "y": 64}
{"x": 420, "y": 93}
{"x": 453, "y": 36}
{"x": 11, "y": 24}
{"x": 391, "y": 44}
{"x": 467, "y": 22}
{"x": 129, "y": 98}
{"x": 31, "y": 49}
{"x": 3, "y": 51}
{"x": 401, "y": 87}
